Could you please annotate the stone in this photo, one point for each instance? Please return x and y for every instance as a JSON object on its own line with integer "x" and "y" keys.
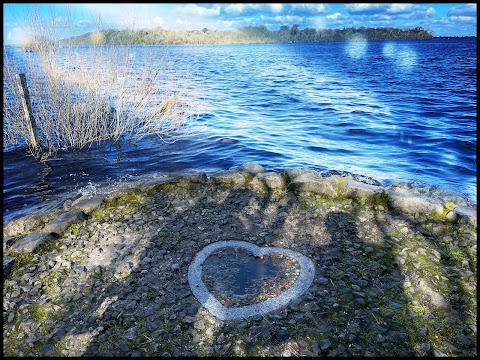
{"x": 8, "y": 263}
{"x": 466, "y": 214}
{"x": 324, "y": 344}
{"x": 308, "y": 296}
{"x": 268, "y": 181}
{"x": 10, "y": 318}
{"x": 293, "y": 173}
{"x": 191, "y": 310}
{"x": 252, "y": 168}
{"x": 61, "y": 223}
{"x": 438, "y": 353}
{"x": 48, "y": 350}
{"x": 409, "y": 203}
{"x": 230, "y": 178}
{"x": 368, "y": 250}
{"x": 315, "y": 183}
{"x": 362, "y": 192}
{"x": 30, "y": 243}
{"x": 7, "y": 242}
{"x": 322, "y": 281}
{"x": 425, "y": 347}
{"x": 199, "y": 325}
{"x": 463, "y": 339}
{"x": 87, "y": 204}
{"x": 23, "y": 225}
{"x": 437, "y": 299}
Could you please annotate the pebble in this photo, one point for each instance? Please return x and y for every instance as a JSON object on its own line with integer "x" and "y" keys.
{"x": 322, "y": 281}
{"x": 156, "y": 291}
{"x": 425, "y": 346}
{"x": 324, "y": 344}
{"x": 10, "y": 318}
{"x": 463, "y": 339}
{"x": 199, "y": 325}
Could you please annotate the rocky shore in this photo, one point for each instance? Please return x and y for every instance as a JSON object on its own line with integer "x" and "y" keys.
{"x": 395, "y": 270}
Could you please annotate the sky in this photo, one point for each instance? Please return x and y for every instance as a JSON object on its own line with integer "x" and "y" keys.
{"x": 454, "y": 19}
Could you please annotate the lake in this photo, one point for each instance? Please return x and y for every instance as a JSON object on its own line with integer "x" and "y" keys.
{"x": 398, "y": 112}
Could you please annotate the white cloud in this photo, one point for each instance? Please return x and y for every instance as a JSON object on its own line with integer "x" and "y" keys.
{"x": 465, "y": 10}
{"x": 334, "y": 16}
{"x": 367, "y": 8}
{"x": 400, "y": 8}
{"x": 237, "y": 9}
{"x": 288, "y": 19}
{"x": 467, "y": 19}
{"x": 310, "y": 8}
{"x": 276, "y": 8}
{"x": 195, "y": 10}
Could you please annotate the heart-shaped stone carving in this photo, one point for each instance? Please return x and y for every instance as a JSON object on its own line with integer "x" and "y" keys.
{"x": 203, "y": 295}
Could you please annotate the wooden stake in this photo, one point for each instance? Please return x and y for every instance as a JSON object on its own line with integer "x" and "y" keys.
{"x": 27, "y": 108}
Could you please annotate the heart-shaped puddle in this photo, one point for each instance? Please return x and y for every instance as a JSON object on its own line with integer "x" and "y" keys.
{"x": 237, "y": 279}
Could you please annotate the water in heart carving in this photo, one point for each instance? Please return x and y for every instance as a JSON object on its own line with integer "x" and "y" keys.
{"x": 236, "y": 279}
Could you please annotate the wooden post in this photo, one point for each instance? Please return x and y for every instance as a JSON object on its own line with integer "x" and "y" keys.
{"x": 27, "y": 108}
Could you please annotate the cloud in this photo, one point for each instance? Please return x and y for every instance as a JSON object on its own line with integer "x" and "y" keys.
{"x": 243, "y": 9}
{"x": 465, "y": 19}
{"x": 287, "y": 19}
{"x": 400, "y": 8}
{"x": 308, "y": 9}
{"x": 276, "y": 8}
{"x": 366, "y": 9}
{"x": 196, "y": 10}
{"x": 334, "y": 16}
{"x": 463, "y": 10}
{"x": 390, "y": 11}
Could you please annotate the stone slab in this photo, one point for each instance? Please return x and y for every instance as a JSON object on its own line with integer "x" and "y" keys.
{"x": 409, "y": 203}
{"x": 268, "y": 181}
{"x": 30, "y": 243}
{"x": 230, "y": 178}
{"x": 61, "y": 223}
{"x": 87, "y": 204}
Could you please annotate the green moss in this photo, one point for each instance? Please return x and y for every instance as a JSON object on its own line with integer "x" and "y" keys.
{"x": 58, "y": 347}
{"x": 52, "y": 281}
{"x": 22, "y": 259}
{"x": 49, "y": 246}
{"x": 341, "y": 187}
{"x": 74, "y": 229}
{"x": 449, "y": 206}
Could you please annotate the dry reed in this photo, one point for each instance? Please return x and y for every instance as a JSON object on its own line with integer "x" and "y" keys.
{"x": 83, "y": 96}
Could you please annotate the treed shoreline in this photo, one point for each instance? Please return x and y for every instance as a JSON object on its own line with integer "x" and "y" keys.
{"x": 245, "y": 35}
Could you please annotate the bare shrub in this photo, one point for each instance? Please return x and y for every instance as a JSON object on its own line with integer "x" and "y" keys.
{"x": 83, "y": 96}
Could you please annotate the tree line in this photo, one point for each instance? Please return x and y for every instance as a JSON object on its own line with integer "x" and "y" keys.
{"x": 245, "y": 35}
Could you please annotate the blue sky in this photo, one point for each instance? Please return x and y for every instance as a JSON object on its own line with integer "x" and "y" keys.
{"x": 456, "y": 19}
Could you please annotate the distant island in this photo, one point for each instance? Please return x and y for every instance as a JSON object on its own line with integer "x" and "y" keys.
{"x": 245, "y": 35}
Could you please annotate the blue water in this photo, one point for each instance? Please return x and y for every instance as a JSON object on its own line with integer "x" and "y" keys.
{"x": 400, "y": 111}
